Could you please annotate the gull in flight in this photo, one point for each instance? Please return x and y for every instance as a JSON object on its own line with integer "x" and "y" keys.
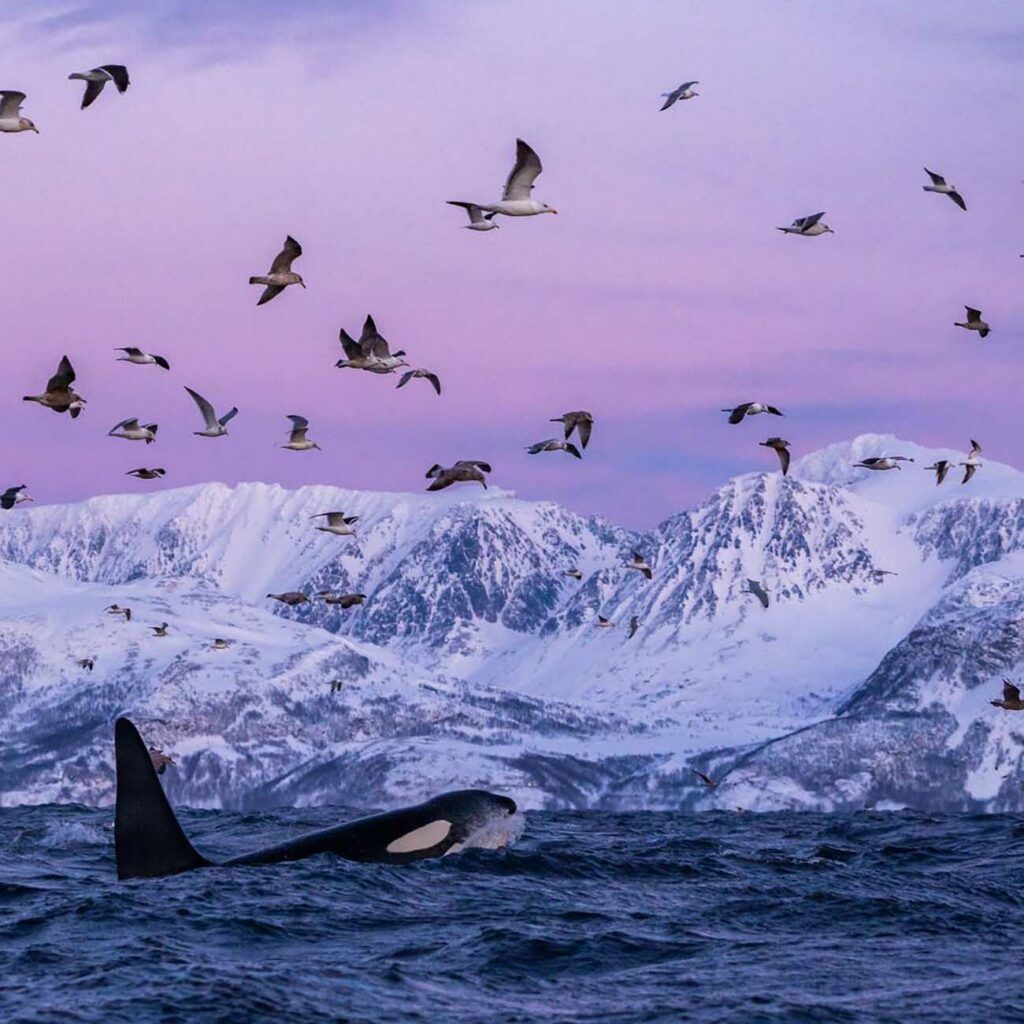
{"x": 751, "y": 409}
{"x": 409, "y": 375}
{"x": 59, "y": 395}
{"x": 940, "y": 185}
{"x": 281, "y": 274}
{"x": 940, "y": 469}
{"x": 10, "y": 113}
{"x": 580, "y": 420}
{"x": 1011, "y": 698}
{"x": 639, "y": 563}
{"x": 781, "y": 449}
{"x": 116, "y": 609}
{"x": 337, "y": 523}
{"x": 159, "y": 759}
{"x": 463, "y": 472}
{"x": 552, "y": 444}
{"x": 87, "y": 663}
{"x": 140, "y": 358}
{"x": 343, "y": 601}
{"x": 370, "y": 352}
{"x": 130, "y": 430}
{"x": 881, "y": 462}
{"x": 574, "y": 573}
{"x": 298, "y": 442}
{"x": 160, "y": 630}
{"x": 214, "y": 427}
{"x": 515, "y": 200}
{"x": 146, "y": 474}
{"x": 974, "y": 322}
{"x": 220, "y": 644}
{"x": 754, "y": 587}
{"x": 290, "y": 598}
{"x": 973, "y": 463}
{"x": 478, "y": 220}
{"x": 706, "y": 779}
{"x": 603, "y": 623}
{"x": 683, "y": 92}
{"x": 809, "y": 226}
{"x": 14, "y": 496}
{"x": 634, "y": 625}
{"x": 98, "y": 77}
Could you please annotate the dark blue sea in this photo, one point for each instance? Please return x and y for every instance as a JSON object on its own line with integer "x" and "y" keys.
{"x": 621, "y": 918}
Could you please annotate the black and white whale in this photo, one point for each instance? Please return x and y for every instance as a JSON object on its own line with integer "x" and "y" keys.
{"x": 150, "y": 843}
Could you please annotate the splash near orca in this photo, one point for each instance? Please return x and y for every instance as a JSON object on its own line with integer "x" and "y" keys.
{"x": 150, "y": 843}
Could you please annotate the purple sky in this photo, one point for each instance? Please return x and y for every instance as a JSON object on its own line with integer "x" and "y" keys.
{"x": 659, "y": 294}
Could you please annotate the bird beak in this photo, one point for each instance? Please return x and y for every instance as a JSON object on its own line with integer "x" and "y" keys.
{"x": 552, "y": 211}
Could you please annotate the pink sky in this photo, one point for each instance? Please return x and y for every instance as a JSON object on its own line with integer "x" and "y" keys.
{"x": 660, "y": 293}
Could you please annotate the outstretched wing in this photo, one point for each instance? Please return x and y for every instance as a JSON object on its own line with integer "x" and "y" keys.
{"x": 973, "y": 314}
{"x": 228, "y": 416}
{"x": 435, "y": 382}
{"x": 739, "y": 412}
{"x": 209, "y": 416}
{"x": 283, "y": 260}
{"x": 809, "y": 222}
{"x": 937, "y": 179}
{"x": 119, "y": 73}
{"x": 1010, "y": 692}
{"x": 269, "y": 292}
{"x": 671, "y": 97}
{"x": 485, "y": 466}
{"x": 520, "y": 181}
{"x": 958, "y": 199}
{"x": 10, "y": 103}
{"x": 584, "y": 426}
{"x": 349, "y": 344}
{"x": 63, "y": 378}
{"x": 92, "y": 90}
{"x": 299, "y": 427}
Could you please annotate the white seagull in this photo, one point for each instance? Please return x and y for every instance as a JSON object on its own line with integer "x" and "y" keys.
{"x": 515, "y": 200}
{"x": 882, "y": 462}
{"x": 140, "y": 358}
{"x": 478, "y": 220}
{"x": 130, "y": 430}
{"x": 940, "y": 185}
{"x": 298, "y": 442}
{"x": 684, "y": 92}
{"x": 337, "y": 523}
{"x": 214, "y": 427}
{"x": 98, "y": 77}
{"x": 429, "y": 375}
{"x": 809, "y": 226}
{"x": 738, "y": 414}
{"x": 10, "y": 113}
{"x": 973, "y": 463}
{"x": 14, "y": 496}
{"x": 639, "y": 563}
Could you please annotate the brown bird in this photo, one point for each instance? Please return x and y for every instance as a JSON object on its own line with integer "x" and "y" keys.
{"x": 290, "y": 598}
{"x": 574, "y": 573}
{"x": 159, "y": 759}
{"x": 580, "y": 420}
{"x": 463, "y": 472}
{"x": 940, "y": 469}
{"x": 342, "y": 600}
{"x": 604, "y": 623}
{"x": 639, "y": 563}
{"x": 435, "y": 381}
{"x": 59, "y": 395}
{"x": 87, "y": 663}
{"x": 146, "y": 474}
{"x": 335, "y": 685}
{"x": 281, "y": 274}
{"x": 116, "y": 609}
{"x": 780, "y": 447}
{"x": 706, "y": 779}
{"x": 1011, "y": 698}
{"x": 160, "y": 630}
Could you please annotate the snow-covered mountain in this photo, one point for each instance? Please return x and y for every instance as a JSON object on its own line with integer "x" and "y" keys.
{"x": 476, "y": 661}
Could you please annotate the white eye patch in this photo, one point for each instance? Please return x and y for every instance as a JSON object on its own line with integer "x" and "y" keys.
{"x": 421, "y": 838}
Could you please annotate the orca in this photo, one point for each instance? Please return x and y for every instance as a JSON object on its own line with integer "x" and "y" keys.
{"x": 149, "y": 842}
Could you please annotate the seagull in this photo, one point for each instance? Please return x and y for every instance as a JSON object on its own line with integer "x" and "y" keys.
{"x": 603, "y": 623}
{"x": 781, "y": 449}
{"x": 281, "y": 274}
{"x": 463, "y": 472}
{"x": 940, "y": 185}
{"x": 879, "y": 573}
{"x": 580, "y": 421}
{"x": 220, "y": 644}
{"x": 214, "y": 427}
{"x": 706, "y": 779}
{"x": 634, "y": 625}
{"x": 146, "y": 474}
{"x": 14, "y": 496}
{"x": 574, "y": 573}
{"x": 1011, "y": 698}
{"x": 159, "y": 760}
{"x": 809, "y": 226}
{"x": 10, "y": 113}
{"x": 59, "y": 395}
{"x": 87, "y": 663}
{"x": 98, "y": 77}
{"x": 298, "y": 442}
{"x": 478, "y": 220}
{"x": 140, "y": 358}
{"x": 335, "y": 686}
{"x": 974, "y": 322}
{"x": 754, "y": 587}
{"x": 130, "y": 430}
{"x": 880, "y": 462}
{"x": 639, "y": 563}
{"x": 290, "y": 598}
{"x": 370, "y": 352}
{"x": 160, "y": 630}
{"x": 940, "y": 469}
{"x": 337, "y": 523}
{"x": 684, "y": 92}
{"x": 751, "y": 409}
{"x": 515, "y": 200}
{"x": 420, "y": 374}
{"x": 554, "y": 445}
{"x": 342, "y": 600}
{"x": 973, "y": 463}
{"x": 116, "y": 609}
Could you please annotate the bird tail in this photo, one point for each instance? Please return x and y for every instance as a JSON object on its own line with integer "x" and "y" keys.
{"x": 148, "y": 841}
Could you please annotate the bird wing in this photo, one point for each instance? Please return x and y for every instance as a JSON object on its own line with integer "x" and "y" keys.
{"x": 435, "y": 382}
{"x": 520, "y": 180}
{"x": 809, "y": 222}
{"x": 958, "y": 199}
{"x": 973, "y": 314}
{"x": 671, "y": 98}
{"x": 405, "y": 378}
{"x": 204, "y": 407}
{"x": 634, "y": 625}
{"x": 161, "y": 362}
{"x": 299, "y": 427}
{"x": 228, "y": 416}
{"x": 969, "y": 470}
{"x": 941, "y": 470}
{"x": 584, "y": 426}
{"x": 269, "y": 292}
{"x": 119, "y": 73}
{"x": 130, "y": 350}
{"x": 92, "y": 90}
{"x": 937, "y": 179}
{"x": 784, "y": 459}
{"x": 485, "y": 466}
{"x": 739, "y": 412}
{"x": 1010, "y": 692}
{"x": 283, "y": 260}
{"x": 349, "y": 344}
{"x": 369, "y": 336}
{"x": 975, "y": 447}
{"x": 10, "y": 103}
{"x": 573, "y": 450}
{"x": 536, "y": 449}
{"x": 63, "y": 378}
{"x": 379, "y": 349}
{"x": 132, "y": 424}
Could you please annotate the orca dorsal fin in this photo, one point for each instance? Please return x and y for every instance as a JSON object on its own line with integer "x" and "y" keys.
{"x": 148, "y": 840}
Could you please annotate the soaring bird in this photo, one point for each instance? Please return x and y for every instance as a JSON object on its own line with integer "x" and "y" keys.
{"x": 478, "y": 220}
{"x": 220, "y": 644}
{"x": 98, "y": 77}
{"x": 297, "y": 440}
{"x": 159, "y": 760}
{"x": 160, "y": 630}
{"x": 634, "y": 625}
{"x": 940, "y": 185}
{"x": 754, "y": 587}
{"x": 10, "y": 113}
{"x": 140, "y": 358}
{"x": 371, "y": 352}
{"x": 738, "y": 414}
{"x": 882, "y": 462}
{"x": 146, "y": 474}
{"x": 116, "y": 609}
{"x": 639, "y": 563}
{"x": 214, "y": 427}
{"x": 682, "y": 92}
{"x": 808, "y": 226}
{"x": 706, "y": 779}
{"x": 337, "y": 523}
{"x": 59, "y": 395}
{"x": 87, "y": 663}
{"x": 580, "y": 420}
{"x": 343, "y": 601}
{"x": 336, "y": 685}
{"x": 973, "y": 463}
{"x": 574, "y": 573}
{"x": 14, "y": 496}
{"x": 940, "y": 469}
{"x": 603, "y": 623}
{"x": 131, "y": 430}
{"x": 781, "y": 449}
{"x": 515, "y": 200}
{"x": 281, "y": 274}
{"x": 290, "y": 598}
{"x": 974, "y": 322}
{"x": 463, "y": 472}
{"x": 429, "y": 375}
{"x": 1011, "y": 698}
{"x": 554, "y": 445}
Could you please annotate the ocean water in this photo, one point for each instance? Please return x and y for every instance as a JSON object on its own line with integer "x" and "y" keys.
{"x": 621, "y": 918}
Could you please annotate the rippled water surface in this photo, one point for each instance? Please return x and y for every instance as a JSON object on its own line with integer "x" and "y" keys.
{"x": 589, "y": 917}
